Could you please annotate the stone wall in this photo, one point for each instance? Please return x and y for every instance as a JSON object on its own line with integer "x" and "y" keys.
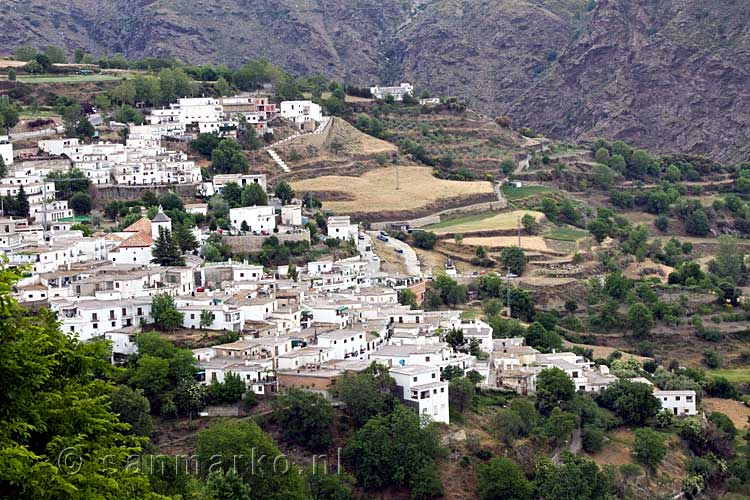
{"x": 120, "y": 192}
{"x": 251, "y": 243}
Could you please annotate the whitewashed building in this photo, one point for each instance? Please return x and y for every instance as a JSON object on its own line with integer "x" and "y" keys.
{"x": 680, "y": 403}
{"x": 423, "y": 390}
{"x": 258, "y": 219}
{"x": 301, "y": 111}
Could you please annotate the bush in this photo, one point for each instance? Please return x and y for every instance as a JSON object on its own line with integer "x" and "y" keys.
{"x": 593, "y": 439}
{"x": 649, "y": 447}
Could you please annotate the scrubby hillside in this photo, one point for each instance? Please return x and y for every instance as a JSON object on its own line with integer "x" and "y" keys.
{"x": 669, "y": 75}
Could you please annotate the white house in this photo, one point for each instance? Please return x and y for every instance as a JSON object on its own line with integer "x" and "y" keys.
{"x": 260, "y": 219}
{"x": 313, "y": 355}
{"x": 301, "y": 111}
{"x": 224, "y": 317}
{"x": 423, "y": 390}
{"x": 677, "y": 402}
{"x": 346, "y": 344}
{"x": 6, "y": 150}
{"x": 398, "y": 93}
{"x": 291, "y": 215}
{"x": 340, "y": 227}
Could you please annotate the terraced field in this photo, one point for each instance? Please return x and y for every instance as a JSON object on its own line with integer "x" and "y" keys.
{"x": 388, "y": 189}
{"x": 487, "y": 221}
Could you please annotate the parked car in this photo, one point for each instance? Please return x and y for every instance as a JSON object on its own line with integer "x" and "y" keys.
{"x": 383, "y": 238}
{"x": 399, "y": 250}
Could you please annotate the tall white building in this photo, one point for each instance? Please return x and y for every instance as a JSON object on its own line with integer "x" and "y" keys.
{"x": 6, "y": 150}
{"x": 423, "y": 390}
{"x": 260, "y": 219}
{"x": 301, "y": 111}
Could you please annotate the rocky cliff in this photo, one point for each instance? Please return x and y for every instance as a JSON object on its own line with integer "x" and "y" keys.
{"x": 671, "y": 75}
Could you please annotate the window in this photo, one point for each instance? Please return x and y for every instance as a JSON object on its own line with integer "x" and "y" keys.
{"x": 414, "y": 379}
{"x": 427, "y": 359}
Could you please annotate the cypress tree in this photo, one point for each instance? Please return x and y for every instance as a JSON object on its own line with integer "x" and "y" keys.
{"x": 165, "y": 251}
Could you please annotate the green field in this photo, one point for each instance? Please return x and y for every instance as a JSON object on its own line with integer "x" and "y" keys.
{"x": 735, "y": 375}
{"x": 566, "y": 234}
{"x": 512, "y": 192}
{"x": 67, "y": 78}
{"x": 486, "y": 221}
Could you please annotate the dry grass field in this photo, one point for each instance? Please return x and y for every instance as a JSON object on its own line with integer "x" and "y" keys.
{"x": 532, "y": 243}
{"x": 735, "y": 410}
{"x": 375, "y": 191}
{"x": 487, "y": 221}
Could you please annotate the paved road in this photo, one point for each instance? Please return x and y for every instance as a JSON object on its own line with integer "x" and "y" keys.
{"x": 366, "y": 250}
{"x": 409, "y": 256}
{"x": 37, "y": 133}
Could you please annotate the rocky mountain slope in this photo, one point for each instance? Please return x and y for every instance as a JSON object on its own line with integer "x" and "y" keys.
{"x": 665, "y": 74}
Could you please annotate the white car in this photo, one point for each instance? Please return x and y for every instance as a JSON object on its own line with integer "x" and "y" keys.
{"x": 375, "y": 258}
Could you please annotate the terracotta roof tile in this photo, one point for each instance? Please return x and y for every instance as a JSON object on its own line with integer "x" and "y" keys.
{"x": 138, "y": 240}
{"x": 141, "y": 225}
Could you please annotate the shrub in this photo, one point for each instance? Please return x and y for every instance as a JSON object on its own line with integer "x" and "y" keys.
{"x": 593, "y": 439}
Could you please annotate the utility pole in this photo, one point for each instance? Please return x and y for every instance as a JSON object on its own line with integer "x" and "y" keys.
{"x": 519, "y": 232}
{"x": 507, "y": 291}
{"x": 44, "y": 207}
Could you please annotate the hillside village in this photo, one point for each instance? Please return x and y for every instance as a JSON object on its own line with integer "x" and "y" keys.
{"x": 319, "y": 267}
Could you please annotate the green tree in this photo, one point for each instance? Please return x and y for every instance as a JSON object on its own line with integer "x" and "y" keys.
{"x": 530, "y": 224}
{"x": 649, "y": 447}
{"x": 165, "y": 314}
{"x": 78, "y": 55}
{"x": 3, "y": 167}
{"x": 253, "y": 195}
{"x": 12, "y": 75}
{"x": 205, "y": 144}
{"x": 133, "y": 408}
{"x": 640, "y": 320}
{"x": 553, "y": 386}
{"x": 305, "y": 418}
{"x": 602, "y": 156}
{"x": 452, "y": 371}
{"x": 189, "y": 397}
{"x": 229, "y": 391}
{"x": 9, "y": 114}
{"x": 542, "y": 339}
{"x": 84, "y": 129}
{"x": 394, "y": 450}
{"x": 207, "y": 319}
{"x": 407, "y": 298}
{"x": 239, "y": 443}
{"x": 227, "y": 158}
{"x": 455, "y": 338}
{"x": 576, "y": 478}
{"x": 227, "y": 485}
{"x": 367, "y": 393}
{"x": 284, "y": 192}
{"x": 560, "y": 425}
{"x": 25, "y": 53}
{"x": 728, "y": 261}
{"x": 424, "y": 239}
{"x": 56, "y": 55}
{"x": 323, "y": 485}
{"x": 69, "y": 183}
{"x": 81, "y": 203}
{"x": 503, "y": 478}
{"x": 633, "y": 403}
{"x": 166, "y": 252}
{"x": 184, "y": 238}
{"x": 513, "y": 258}
{"x": 697, "y": 224}
{"x": 460, "y": 393}
{"x": 507, "y": 425}
{"x": 22, "y": 206}
{"x": 55, "y": 411}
